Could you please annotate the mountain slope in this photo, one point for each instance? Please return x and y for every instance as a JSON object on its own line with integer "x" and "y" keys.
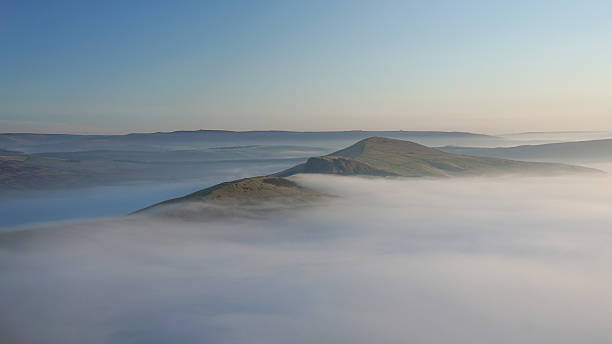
{"x": 580, "y": 151}
{"x": 391, "y": 157}
{"x": 246, "y": 197}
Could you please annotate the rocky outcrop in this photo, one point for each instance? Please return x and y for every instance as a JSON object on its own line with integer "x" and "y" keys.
{"x": 342, "y": 166}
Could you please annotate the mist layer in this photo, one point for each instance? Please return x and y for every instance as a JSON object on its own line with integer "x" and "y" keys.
{"x": 390, "y": 261}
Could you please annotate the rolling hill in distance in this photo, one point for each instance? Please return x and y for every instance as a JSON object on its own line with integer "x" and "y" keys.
{"x": 542, "y": 137}
{"x": 184, "y": 140}
{"x": 375, "y": 156}
{"x": 172, "y": 156}
{"x": 380, "y": 156}
{"x": 56, "y": 170}
{"x": 59, "y": 161}
{"x": 579, "y": 151}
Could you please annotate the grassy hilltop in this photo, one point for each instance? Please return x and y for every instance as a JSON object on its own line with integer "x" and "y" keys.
{"x": 390, "y": 157}
{"x": 248, "y": 196}
{"x": 375, "y": 156}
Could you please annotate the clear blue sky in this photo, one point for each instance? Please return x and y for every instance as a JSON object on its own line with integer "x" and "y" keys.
{"x": 485, "y": 66}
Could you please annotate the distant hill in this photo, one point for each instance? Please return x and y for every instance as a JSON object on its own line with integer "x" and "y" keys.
{"x": 243, "y": 197}
{"x": 543, "y": 137}
{"x": 375, "y": 156}
{"x": 580, "y": 151}
{"x": 16, "y": 174}
{"x": 23, "y": 172}
{"x": 390, "y": 157}
{"x": 185, "y": 140}
{"x": 191, "y": 155}
{"x": 9, "y": 152}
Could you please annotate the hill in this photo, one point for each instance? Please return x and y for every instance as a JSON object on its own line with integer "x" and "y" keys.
{"x": 199, "y": 139}
{"x": 15, "y": 174}
{"x": 56, "y": 170}
{"x": 390, "y": 157}
{"x": 374, "y": 156}
{"x": 580, "y": 151}
{"x": 543, "y": 137}
{"x": 243, "y": 197}
{"x": 4, "y": 152}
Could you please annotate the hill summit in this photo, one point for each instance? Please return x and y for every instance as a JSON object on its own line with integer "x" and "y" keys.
{"x": 379, "y": 156}
{"x": 243, "y": 197}
{"x": 376, "y": 156}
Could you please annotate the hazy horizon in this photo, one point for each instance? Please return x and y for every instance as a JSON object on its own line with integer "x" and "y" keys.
{"x": 54, "y": 130}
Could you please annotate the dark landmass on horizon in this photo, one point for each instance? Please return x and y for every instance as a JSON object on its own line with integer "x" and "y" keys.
{"x": 181, "y": 140}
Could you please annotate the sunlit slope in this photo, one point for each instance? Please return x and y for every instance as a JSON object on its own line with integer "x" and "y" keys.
{"x": 244, "y": 195}
{"x": 390, "y": 157}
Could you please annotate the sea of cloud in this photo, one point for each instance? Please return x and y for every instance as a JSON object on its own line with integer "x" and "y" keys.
{"x": 474, "y": 260}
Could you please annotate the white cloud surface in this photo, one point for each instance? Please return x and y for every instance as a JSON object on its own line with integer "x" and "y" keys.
{"x": 391, "y": 261}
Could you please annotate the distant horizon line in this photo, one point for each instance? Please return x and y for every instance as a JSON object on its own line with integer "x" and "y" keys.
{"x": 84, "y": 133}
{"x": 241, "y": 131}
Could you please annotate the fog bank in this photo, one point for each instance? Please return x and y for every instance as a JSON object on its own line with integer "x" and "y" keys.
{"x": 19, "y": 209}
{"x": 501, "y": 260}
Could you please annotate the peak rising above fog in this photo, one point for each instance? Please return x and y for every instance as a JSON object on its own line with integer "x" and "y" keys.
{"x": 375, "y": 156}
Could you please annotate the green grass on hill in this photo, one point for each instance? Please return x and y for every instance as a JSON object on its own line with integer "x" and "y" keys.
{"x": 404, "y": 158}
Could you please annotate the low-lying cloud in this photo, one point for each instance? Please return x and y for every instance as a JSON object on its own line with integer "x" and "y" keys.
{"x": 390, "y": 261}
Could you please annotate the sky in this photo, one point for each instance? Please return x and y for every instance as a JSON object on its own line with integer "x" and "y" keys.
{"x": 138, "y": 66}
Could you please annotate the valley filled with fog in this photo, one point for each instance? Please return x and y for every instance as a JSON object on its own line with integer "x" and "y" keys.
{"x": 26, "y": 207}
{"x": 465, "y": 260}
{"x": 93, "y": 176}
